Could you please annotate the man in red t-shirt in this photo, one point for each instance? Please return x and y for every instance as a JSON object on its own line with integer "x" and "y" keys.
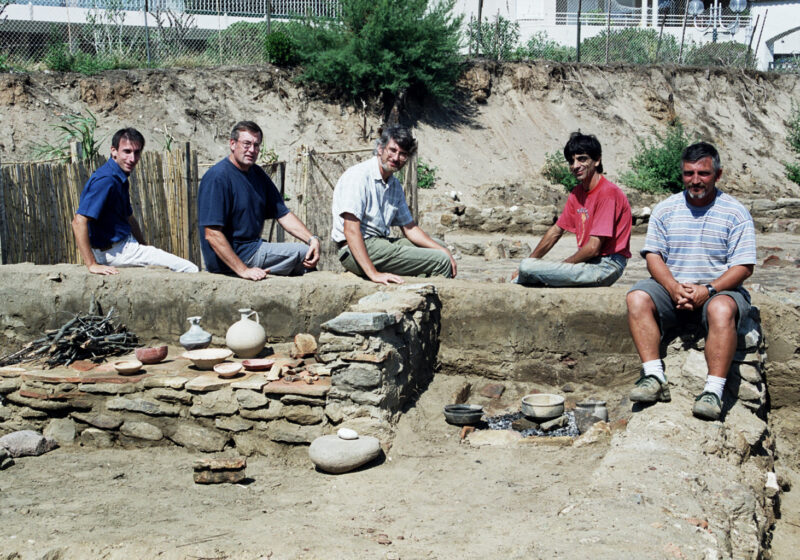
{"x": 599, "y": 215}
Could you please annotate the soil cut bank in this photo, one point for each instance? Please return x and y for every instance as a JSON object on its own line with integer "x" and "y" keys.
{"x": 527, "y": 111}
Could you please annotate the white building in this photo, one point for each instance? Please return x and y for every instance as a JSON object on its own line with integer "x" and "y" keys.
{"x": 780, "y": 37}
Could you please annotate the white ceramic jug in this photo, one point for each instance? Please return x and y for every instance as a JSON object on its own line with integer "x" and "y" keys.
{"x": 246, "y": 337}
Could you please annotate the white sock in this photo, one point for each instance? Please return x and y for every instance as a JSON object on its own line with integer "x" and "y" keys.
{"x": 656, "y": 369}
{"x": 715, "y": 385}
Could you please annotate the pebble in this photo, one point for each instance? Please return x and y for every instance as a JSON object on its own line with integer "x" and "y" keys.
{"x": 336, "y": 455}
{"x": 347, "y": 433}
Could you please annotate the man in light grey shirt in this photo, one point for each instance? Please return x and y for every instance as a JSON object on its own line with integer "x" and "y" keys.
{"x": 367, "y": 201}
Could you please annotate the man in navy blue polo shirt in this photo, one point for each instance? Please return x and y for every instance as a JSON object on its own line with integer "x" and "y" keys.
{"x": 235, "y": 198}
{"x": 106, "y": 232}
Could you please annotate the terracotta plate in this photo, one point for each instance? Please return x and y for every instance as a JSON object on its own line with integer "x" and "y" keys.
{"x": 258, "y": 364}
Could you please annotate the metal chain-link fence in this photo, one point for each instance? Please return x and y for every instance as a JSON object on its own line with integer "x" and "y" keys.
{"x": 77, "y": 34}
{"x": 92, "y": 35}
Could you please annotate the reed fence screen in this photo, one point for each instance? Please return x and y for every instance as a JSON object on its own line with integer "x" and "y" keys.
{"x": 38, "y": 202}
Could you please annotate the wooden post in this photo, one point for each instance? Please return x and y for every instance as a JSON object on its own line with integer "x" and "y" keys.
{"x": 76, "y": 151}
{"x": 578, "y": 38}
{"x": 750, "y": 42}
{"x": 3, "y": 221}
{"x": 683, "y": 33}
{"x": 269, "y": 17}
{"x": 411, "y": 185}
{"x": 281, "y": 234}
{"x": 187, "y": 188}
{"x": 479, "y": 46}
{"x": 608, "y": 28}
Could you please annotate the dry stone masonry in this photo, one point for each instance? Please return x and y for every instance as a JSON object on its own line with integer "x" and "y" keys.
{"x": 372, "y": 360}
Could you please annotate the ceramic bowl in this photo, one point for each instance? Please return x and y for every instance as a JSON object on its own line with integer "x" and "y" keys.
{"x": 207, "y": 358}
{"x": 542, "y": 406}
{"x": 127, "y": 367}
{"x": 228, "y": 369}
{"x": 463, "y": 414}
{"x": 258, "y": 364}
{"x": 151, "y": 354}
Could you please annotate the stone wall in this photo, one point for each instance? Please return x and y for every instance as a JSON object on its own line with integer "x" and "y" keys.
{"x": 375, "y": 358}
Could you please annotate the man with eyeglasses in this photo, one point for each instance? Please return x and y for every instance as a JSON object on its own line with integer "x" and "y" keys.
{"x": 367, "y": 201}
{"x": 234, "y": 199}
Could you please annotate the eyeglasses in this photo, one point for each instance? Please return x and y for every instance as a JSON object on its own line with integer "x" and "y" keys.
{"x": 247, "y": 145}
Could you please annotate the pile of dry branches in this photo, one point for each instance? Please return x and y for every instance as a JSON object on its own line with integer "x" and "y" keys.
{"x": 87, "y": 336}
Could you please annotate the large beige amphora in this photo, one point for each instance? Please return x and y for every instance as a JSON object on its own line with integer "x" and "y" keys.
{"x": 246, "y": 337}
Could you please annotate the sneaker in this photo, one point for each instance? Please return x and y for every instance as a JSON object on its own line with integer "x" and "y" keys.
{"x": 650, "y": 389}
{"x": 707, "y": 406}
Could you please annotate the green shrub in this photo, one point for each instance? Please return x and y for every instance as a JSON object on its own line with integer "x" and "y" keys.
{"x": 385, "y": 47}
{"x": 792, "y": 172}
{"x": 793, "y": 138}
{"x": 540, "y": 47}
{"x": 498, "y": 38}
{"x": 280, "y": 49}
{"x": 4, "y": 65}
{"x": 557, "y": 171}
{"x": 630, "y": 46}
{"x": 58, "y": 58}
{"x": 656, "y": 166}
{"x": 729, "y": 53}
{"x": 426, "y": 175}
{"x": 73, "y": 128}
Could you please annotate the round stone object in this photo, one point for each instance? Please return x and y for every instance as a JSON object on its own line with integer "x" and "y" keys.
{"x": 336, "y": 455}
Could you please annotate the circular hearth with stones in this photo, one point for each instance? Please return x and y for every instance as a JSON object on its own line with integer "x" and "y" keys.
{"x": 564, "y": 425}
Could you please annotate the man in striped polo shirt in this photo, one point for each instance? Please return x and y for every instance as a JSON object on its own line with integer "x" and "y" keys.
{"x": 700, "y": 247}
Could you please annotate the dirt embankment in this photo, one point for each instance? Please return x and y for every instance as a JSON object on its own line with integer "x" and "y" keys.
{"x": 509, "y": 118}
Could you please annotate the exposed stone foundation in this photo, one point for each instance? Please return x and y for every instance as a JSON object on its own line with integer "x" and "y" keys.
{"x": 378, "y": 354}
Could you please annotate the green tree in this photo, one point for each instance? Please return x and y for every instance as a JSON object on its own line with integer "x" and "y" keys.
{"x": 499, "y": 38}
{"x": 384, "y": 47}
{"x": 793, "y": 139}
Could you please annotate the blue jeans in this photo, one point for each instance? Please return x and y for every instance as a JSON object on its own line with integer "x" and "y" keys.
{"x": 282, "y": 259}
{"x": 600, "y": 271}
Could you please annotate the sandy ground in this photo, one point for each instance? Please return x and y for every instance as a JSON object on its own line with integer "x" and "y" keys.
{"x": 431, "y": 496}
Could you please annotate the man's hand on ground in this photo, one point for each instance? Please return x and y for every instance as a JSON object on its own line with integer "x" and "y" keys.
{"x": 102, "y": 269}
{"x": 254, "y": 273}
{"x": 386, "y": 278}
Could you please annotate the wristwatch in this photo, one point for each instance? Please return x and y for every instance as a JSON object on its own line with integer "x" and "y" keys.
{"x": 313, "y": 237}
{"x": 711, "y": 290}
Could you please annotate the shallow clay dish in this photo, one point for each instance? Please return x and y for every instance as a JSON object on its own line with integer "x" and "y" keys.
{"x": 463, "y": 414}
{"x": 258, "y": 364}
{"x": 228, "y": 369}
{"x": 127, "y": 367}
{"x": 542, "y": 406}
{"x": 151, "y": 354}
{"x": 207, "y": 358}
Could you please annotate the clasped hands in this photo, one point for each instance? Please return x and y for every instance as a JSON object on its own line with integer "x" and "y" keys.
{"x": 688, "y": 296}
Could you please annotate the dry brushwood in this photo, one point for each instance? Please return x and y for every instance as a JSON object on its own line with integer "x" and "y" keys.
{"x": 87, "y": 336}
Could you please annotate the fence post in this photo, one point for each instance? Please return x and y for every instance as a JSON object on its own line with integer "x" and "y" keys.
{"x": 479, "y": 45}
{"x": 578, "y": 39}
{"x": 280, "y": 235}
{"x": 750, "y": 43}
{"x": 608, "y": 29}
{"x": 76, "y": 151}
{"x": 683, "y": 33}
{"x": 412, "y": 186}
{"x": 187, "y": 188}
{"x": 3, "y": 222}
